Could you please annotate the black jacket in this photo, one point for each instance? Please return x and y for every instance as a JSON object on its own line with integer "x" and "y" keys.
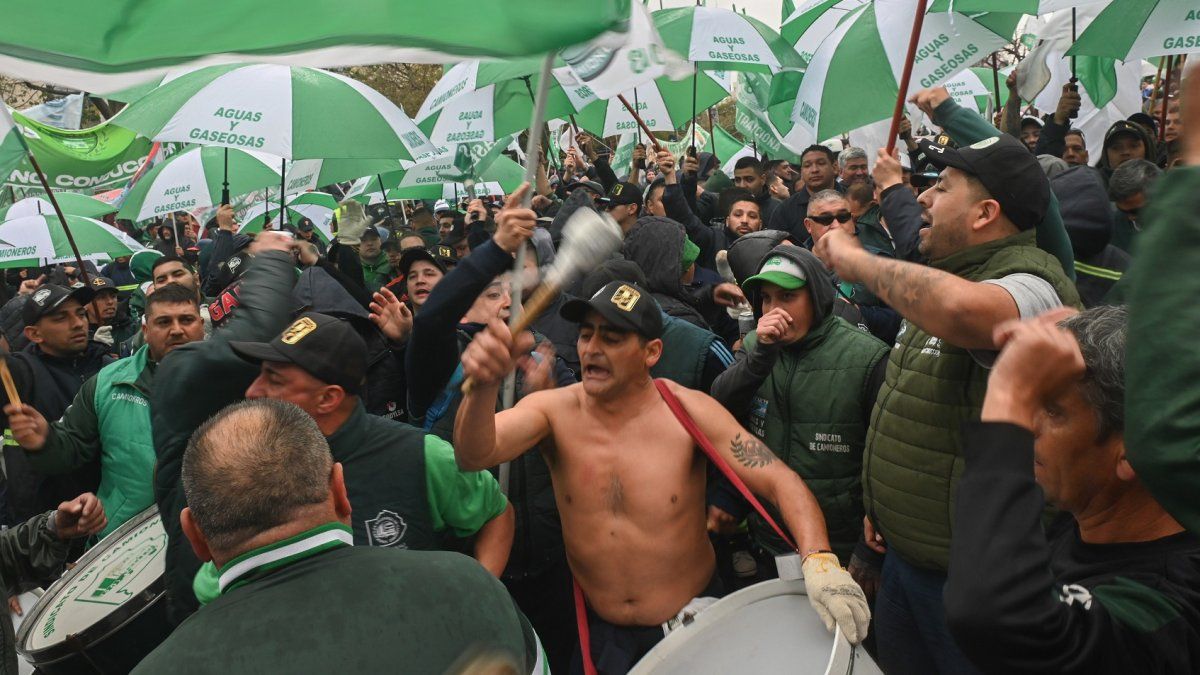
{"x": 49, "y": 384}
{"x": 656, "y": 245}
{"x": 1088, "y": 217}
{"x": 1020, "y": 600}
{"x": 790, "y": 214}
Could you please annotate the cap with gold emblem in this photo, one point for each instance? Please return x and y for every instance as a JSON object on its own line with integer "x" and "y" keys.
{"x": 325, "y": 347}
{"x": 441, "y": 256}
{"x": 627, "y": 306}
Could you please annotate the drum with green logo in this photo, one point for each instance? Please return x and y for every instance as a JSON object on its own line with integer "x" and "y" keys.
{"x": 108, "y": 612}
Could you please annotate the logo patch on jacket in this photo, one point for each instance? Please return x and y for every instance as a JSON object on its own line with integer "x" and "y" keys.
{"x": 385, "y": 529}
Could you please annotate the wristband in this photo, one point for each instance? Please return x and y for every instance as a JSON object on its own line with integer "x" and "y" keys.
{"x": 815, "y": 551}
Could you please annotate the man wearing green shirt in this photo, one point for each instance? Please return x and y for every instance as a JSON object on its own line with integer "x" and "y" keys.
{"x": 269, "y": 506}
{"x": 405, "y": 485}
{"x": 109, "y": 418}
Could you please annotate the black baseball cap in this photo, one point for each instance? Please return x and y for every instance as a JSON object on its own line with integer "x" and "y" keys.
{"x": 441, "y": 256}
{"x": 325, "y": 347}
{"x": 1123, "y": 127}
{"x": 101, "y": 284}
{"x": 305, "y": 225}
{"x": 590, "y": 185}
{"x": 1007, "y": 169}
{"x": 623, "y": 303}
{"x": 50, "y": 297}
{"x": 623, "y": 194}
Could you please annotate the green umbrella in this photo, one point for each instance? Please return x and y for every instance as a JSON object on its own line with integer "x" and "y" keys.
{"x": 194, "y": 179}
{"x": 865, "y": 49}
{"x": 728, "y": 149}
{"x": 721, "y": 39}
{"x": 72, "y": 203}
{"x": 480, "y": 101}
{"x": 34, "y": 241}
{"x": 1137, "y": 29}
{"x": 441, "y": 179}
{"x": 664, "y": 105}
{"x": 318, "y": 207}
{"x": 310, "y": 174}
{"x": 108, "y": 46}
{"x": 806, "y": 26}
{"x": 292, "y": 112}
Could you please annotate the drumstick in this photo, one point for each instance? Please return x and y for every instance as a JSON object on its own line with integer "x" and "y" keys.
{"x": 588, "y": 239}
{"x": 10, "y": 388}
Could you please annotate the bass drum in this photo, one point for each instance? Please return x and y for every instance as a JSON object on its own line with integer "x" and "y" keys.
{"x": 766, "y": 628}
{"x": 108, "y": 612}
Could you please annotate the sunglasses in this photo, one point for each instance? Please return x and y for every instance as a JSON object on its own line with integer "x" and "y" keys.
{"x": 827, "y": 220}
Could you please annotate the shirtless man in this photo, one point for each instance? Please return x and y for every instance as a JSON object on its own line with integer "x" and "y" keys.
{"x": 628, "y": 480}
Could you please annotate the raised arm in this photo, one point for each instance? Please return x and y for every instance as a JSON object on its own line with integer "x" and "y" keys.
{"x": 964, "y": 313}
{"x": 831, "y": 591}
{"x": 484, "y": 438}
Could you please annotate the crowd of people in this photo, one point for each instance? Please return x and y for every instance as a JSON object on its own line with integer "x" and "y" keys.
{"x": 908, "y": 372}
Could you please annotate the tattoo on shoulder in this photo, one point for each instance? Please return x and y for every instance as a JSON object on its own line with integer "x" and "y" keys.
{"x": 750, "y": 451}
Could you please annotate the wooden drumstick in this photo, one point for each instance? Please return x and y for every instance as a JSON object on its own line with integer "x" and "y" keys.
{"x": 10, "y": 387}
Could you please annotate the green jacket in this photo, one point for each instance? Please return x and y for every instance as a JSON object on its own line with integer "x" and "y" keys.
{"x": 812, "y": 411}
{"x": 966, "y": 127}
{"x": 193, "y": 383}
{"x": 1162, "y": 364}
{"x": 334, "y": 608}
{"x": 913, "y": 458}
{"x": 29, "y": 554}
{"x": 376, "y": 272}
{"x": 109, "y": 419}
{"x": 684, "y": 362}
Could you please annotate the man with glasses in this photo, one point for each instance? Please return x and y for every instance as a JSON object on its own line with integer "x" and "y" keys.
{"x": 826, "y": 210}
{"x": 1128, "y": 188}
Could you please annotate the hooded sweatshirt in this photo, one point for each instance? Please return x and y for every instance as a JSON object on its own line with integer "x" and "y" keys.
{"x": 1088, "y": 217}
{"x": 656, "y": 245}
{"x": 1107, "y": 169}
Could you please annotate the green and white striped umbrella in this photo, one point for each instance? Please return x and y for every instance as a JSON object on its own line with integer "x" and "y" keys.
{"x": 728, "y": 149}
{"x": 481, "y": 102}
{"x": 310, "y": 174}
{"x": 316, "y": 206}
{"x": 866, "y": 52}
{"x": 722, "y": 39}
{"x": 1031, "y": 7}
{"x": 292, "y": 112}
{"x": 72, "y": 204}
{"x": 664, "y": 105}
{"x": 104, "y": 47}
{"x": 194, "y": 179}
{"x": 440, "y": 179}
{"x": 1139, "y": 29}
{"x": 40, "y": 240}
{"x": 813, "y": 21}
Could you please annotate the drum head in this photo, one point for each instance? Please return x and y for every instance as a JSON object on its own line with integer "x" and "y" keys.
{"x": 766, "y": 628}
{"x": 112, "y": 583}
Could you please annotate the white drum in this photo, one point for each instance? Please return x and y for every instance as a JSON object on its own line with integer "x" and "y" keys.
{"x": 106, "y": 613}
{"x": 766, "y": 628}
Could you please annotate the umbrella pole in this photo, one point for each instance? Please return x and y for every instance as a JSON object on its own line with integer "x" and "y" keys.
{"x": 225, "y": 180}
{"x": 1166, "y": 101}
{"x": 386, "y": 206}
{"x": 996, "y": 79}
{"x": 62, "y": 219}
{"x": 692, "y": 124}
{"x": 918, "y": 21}
{"x": 282, "y": 189}
{"x": 533, "y": 99}
{"x": 175, "y": 229}
{"x": 531, "y": 164}
{"x": 637, "y": 118}
{"x": 1074, "y": 79}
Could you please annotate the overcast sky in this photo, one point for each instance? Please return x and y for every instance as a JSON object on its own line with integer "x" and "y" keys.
{"x": 766, "y": 11}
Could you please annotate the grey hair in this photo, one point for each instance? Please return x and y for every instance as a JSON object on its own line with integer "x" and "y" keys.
{"x": 1132, "y": 177}
{"x": 1100, "y": 332}
{"x": 825, "y": 196}
{"x": 250, "y": 467}
{"x": 850, "y": 153}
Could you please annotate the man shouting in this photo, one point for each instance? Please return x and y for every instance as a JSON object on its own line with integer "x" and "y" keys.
{"x": 628, "y": 481}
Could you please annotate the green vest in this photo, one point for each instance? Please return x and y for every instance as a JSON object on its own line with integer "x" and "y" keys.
{"x": 384, "y": 466}
{"x": 812, "y": 412}
{"x": 685, "y": 351}
{"x": 127, "y": 448}
{"x": 931, "y": 389}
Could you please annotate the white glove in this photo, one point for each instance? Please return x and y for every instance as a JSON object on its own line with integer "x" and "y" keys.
{"x": 835, "y": 596}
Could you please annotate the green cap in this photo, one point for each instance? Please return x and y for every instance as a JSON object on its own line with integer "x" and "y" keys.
{"x": 780, "y": 271}
{"x": 690, "y": 252}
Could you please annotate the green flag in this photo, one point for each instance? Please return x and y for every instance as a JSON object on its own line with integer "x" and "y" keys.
{"x": 104, "y": 156}
{"x": 12, "y": 150}
{"x": 107, "y": 46}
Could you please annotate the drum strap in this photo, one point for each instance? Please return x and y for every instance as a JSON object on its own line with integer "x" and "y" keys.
{"x": 715, "y": 457}
{"x": 705, "y": 445}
